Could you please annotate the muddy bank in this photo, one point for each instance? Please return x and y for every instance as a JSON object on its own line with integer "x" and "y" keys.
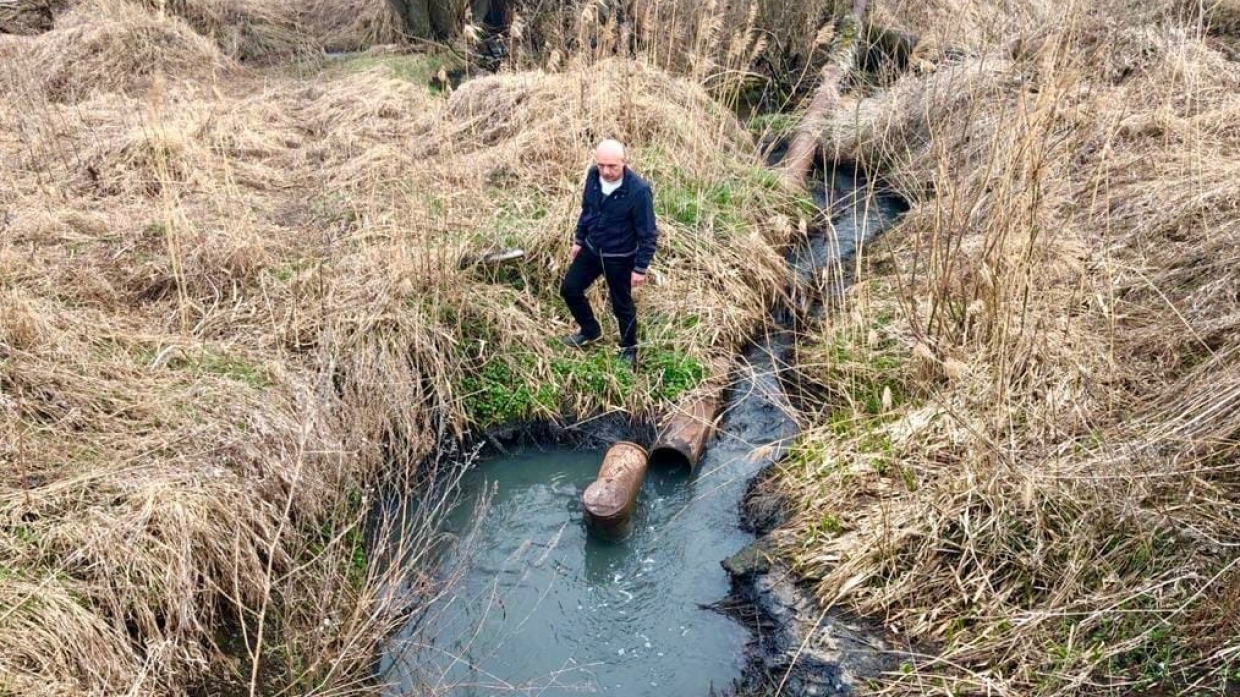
{"x": 799, "y": 647}
{"x": 796, "y": 647}
{"x": 593, "y": 433}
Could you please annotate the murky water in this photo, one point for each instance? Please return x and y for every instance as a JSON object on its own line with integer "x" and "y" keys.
{"x": 545, "y": 609}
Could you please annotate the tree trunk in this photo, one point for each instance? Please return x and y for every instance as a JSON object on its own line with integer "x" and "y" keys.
{"x": 415, "y": 15}
{"x": 446, "y": 21}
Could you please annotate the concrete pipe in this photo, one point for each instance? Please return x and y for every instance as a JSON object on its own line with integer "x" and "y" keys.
{"x": 609, "y": 501}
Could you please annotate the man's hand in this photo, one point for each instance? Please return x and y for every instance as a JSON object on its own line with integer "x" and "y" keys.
{"x": 637, "y": 279}
{"x": 573, "y": 254}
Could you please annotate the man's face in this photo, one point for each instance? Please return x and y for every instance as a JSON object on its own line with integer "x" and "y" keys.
{"x": 610, "y": 165}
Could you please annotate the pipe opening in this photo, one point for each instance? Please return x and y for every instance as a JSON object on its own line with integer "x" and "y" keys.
{"x": 670, "y": 458}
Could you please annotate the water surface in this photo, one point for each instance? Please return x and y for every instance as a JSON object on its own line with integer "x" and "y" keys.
{"x": 544, "y": 608}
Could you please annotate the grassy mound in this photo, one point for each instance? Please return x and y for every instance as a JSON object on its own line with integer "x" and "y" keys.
{"x": 266, "y": 31}
{"x": 164, "y": 514}
{"x": 1027, "y": 457}
{"x": 114, "y": 46}
{"x": 242, "y": 29}
{"x": 230, "y": 308}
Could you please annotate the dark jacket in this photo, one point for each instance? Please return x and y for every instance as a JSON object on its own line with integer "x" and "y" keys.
{"x": 622, "y": 224}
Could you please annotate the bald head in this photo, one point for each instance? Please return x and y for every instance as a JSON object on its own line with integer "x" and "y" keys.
{"x": 609, "y": 157}
{"x": 610, "y": 147}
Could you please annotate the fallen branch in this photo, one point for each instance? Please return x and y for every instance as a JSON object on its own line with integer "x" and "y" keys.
{"x": 839, "y": 67}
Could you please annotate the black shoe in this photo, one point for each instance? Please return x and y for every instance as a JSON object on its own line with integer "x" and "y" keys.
{"x": 580, "y": 339}
{"x": 628, "y": 356}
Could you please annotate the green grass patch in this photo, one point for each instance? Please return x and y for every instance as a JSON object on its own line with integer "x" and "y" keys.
{"x": 807, "y": 453}
{"x": 503, "y": 391}
{"x": 472, "y": 331}
{"x": 718, "y": 205}
{"x": 203, "y": 362}
{"x": 288, "y": 270}
{"x": 826, "y": 527}
{"x": 723, "y": 203}
{"x": 516, "y": 388}
{"x": 671, "y": 373}
{"x": 599, "y": 375}
{"x": 359, "y": 562}
{"x": 867, "y": 379}
{"x": 229, "y": 366}
{"x": 775, "y": 124}
{"x": 418, "y": 68}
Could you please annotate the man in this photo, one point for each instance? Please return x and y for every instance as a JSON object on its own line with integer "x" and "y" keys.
{"x": 615, "y": 238}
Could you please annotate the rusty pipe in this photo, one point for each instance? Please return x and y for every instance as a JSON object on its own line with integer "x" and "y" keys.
{"x": 609, "y": 501}
{"x": 682, "y": 435}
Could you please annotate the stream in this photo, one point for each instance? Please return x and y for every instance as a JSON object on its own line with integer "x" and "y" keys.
{"x": 540, "y": 607}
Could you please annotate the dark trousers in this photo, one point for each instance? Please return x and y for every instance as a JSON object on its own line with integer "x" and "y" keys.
{"x": 586, "y": 269}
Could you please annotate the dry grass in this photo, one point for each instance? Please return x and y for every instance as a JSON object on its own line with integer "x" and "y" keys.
{"x": 267, "y": 31}
{"x": 231, "y": 298}
{"x": 231, "y": 302}
{"x": 1027, "y": 457}
{"x": 114, "y": 46}
{"x": 25, "y": 16}
{"x": 351, "y": 26}
{"x": 242, "y": 29}
{"x": 964, "y": 23}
